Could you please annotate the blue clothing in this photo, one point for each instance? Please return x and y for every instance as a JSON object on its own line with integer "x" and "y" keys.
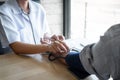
{"x": 75, "y": 65}
{"x": 16, "y": 25}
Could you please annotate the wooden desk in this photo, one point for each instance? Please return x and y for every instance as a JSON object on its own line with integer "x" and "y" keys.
{"x": 14, "y": 67}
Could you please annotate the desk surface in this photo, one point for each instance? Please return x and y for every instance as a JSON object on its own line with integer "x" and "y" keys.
{"x": 14, "y": 67}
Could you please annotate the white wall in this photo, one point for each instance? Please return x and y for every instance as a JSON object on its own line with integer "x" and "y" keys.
{"x": 54, "y": 11}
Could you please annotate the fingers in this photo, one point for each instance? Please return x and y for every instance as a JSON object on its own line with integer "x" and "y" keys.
{"x": 59, "y": 47}
{"x": 57, "y": 37}
{"x": 61, "y": 37}
{"x": 54, "y": 37}
{"x": 65, "y": 45}
{"x": 57, "y": 44}
{"x": 44, "y": 41}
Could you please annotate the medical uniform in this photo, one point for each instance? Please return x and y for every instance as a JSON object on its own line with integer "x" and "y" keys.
{"x": 16, "y": 25}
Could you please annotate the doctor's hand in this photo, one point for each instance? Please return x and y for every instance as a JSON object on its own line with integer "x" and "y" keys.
{"x": 58, "y": 48}
{"x": 47, "y": 40}
{"x": 57, "y": 37}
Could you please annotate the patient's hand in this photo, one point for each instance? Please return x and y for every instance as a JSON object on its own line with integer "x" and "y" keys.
{"x": 60, "y": 47}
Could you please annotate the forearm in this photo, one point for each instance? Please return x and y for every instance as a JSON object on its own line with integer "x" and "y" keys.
{"x": 24, "y": 48}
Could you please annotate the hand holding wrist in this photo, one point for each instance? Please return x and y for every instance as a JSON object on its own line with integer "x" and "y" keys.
{"x": 58, "y": 47}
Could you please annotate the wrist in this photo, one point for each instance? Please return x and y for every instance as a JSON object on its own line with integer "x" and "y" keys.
{"x": 48, "y": 48}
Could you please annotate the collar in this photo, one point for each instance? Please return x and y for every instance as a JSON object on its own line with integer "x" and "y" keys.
{"x": 16, "y": 8}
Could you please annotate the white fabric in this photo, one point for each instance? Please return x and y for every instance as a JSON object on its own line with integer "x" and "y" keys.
{"x": 15, "y": 25}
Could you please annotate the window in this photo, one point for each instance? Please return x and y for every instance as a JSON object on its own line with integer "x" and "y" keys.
{"x": 90, "y": 19}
